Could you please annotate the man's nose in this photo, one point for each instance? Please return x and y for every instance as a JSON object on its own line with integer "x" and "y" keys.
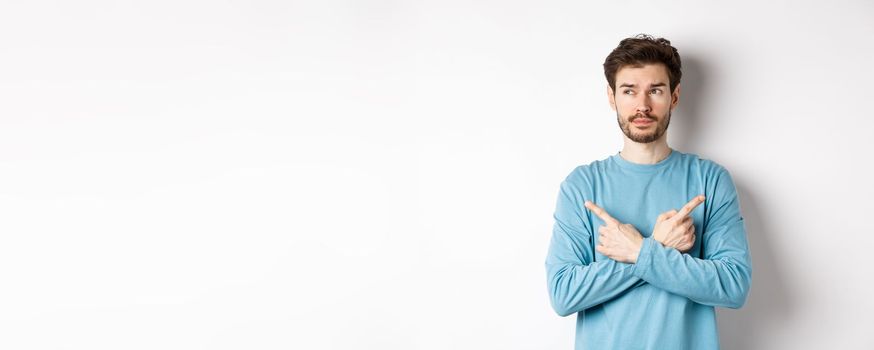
{"x": 642, "y": 104}
{"x": 643, "y": 108}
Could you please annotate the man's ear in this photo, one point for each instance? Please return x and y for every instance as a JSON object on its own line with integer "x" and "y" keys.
{"x": 675, "y": 97}
{"x": 611, "y": 97}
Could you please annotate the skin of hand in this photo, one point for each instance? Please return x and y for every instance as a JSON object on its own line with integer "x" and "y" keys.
{"x": 617, "y": 241}
{"x": 675, "y": 229}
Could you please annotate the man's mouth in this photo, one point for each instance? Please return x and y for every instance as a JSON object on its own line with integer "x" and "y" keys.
{"x": 642, "y": 121}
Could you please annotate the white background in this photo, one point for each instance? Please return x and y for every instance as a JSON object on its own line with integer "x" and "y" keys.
{"x": 382, "y": 174}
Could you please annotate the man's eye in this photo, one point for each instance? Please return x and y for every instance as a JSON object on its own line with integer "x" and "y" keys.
{"x": 627, "y": 92}
{"x": 655, "y": 91}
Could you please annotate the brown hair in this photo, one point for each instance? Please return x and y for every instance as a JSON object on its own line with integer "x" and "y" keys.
{"x": 643, "y": 49}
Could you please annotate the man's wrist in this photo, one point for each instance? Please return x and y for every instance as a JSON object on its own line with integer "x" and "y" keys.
{"x": 638, "y": 247}
{"x": 656, "y": 239}
{"x": 643, "y": 257}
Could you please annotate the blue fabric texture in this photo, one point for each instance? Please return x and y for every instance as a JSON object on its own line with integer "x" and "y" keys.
{"x": 666, "y": 299}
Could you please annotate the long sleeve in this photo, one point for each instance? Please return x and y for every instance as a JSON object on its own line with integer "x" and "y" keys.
{"x": 722, "y": 276}
{"x": 575, "y": 281}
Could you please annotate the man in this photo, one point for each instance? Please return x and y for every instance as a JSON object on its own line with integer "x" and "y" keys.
{"x": 647, "y": 241}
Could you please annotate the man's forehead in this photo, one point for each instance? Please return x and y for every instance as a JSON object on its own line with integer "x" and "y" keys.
{"x": 649, "y": 75}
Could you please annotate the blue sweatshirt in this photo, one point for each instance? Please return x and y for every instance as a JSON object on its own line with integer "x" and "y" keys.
{"x": 666, "y": 299}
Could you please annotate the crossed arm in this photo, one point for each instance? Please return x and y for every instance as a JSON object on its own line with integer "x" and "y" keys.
{"x": 720, "y": 278}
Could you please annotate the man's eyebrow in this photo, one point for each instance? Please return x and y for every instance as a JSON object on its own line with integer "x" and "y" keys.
{"x": 634, "y": 85}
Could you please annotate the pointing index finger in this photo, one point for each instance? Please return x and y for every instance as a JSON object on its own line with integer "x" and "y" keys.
{"x": 601, "y": 213}
{"x": 689, "y": 206}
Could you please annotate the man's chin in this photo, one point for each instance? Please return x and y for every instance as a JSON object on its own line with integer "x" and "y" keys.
{"x": 643, "y": 138}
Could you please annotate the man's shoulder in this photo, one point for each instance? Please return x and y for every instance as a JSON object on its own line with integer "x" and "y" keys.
{"x": 716, "y": 178}
{"x": 585, "y": 172}
{"x": 708, "y": 167}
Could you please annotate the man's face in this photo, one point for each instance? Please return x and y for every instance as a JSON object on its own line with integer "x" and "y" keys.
{"x": 643, "y": 102}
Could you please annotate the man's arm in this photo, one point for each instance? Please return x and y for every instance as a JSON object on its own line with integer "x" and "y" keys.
{"x": 575, "y": 281}
{"x": 723, "y": 276}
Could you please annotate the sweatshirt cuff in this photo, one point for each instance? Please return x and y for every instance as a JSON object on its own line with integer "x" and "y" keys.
{"x": 644, "y": 259}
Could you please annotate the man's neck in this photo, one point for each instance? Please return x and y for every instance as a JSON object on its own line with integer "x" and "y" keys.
{"x": 645, "y": 153}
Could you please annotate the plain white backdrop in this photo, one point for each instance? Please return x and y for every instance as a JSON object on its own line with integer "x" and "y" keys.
{"x": 382, "y": 174}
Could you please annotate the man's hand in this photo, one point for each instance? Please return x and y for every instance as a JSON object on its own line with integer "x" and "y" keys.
{"x": 618, "y": 241}
{"x": 675, "y": 229}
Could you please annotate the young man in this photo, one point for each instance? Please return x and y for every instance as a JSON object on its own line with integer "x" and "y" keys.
{"x": 647, "y": 241}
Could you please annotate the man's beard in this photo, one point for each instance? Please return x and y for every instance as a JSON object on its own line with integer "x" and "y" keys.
{"x": 648, "y": 135}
